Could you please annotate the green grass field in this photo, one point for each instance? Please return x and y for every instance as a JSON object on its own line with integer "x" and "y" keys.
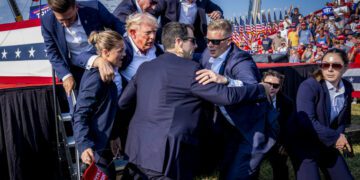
{"x": 354, "y": 163}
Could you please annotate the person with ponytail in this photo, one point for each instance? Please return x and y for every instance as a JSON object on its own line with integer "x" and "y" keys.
{"x": 323, "y": 110}
{"x": 96, "y": 107}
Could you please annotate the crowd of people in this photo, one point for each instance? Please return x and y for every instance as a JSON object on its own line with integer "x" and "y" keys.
{"x": 168, "y": 91}
{"x": 305, "y": 39}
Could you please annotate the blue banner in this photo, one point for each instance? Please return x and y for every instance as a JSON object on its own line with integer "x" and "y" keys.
{"x": 35, "y": 11}
{"x": 328, "y": 11}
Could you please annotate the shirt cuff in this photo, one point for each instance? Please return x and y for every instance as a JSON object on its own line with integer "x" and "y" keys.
{"x": 66, "y": 76}
{"x": 234, "y": 83}
{"x": 90, "y": 62}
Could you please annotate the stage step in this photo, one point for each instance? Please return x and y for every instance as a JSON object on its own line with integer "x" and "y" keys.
{"x": 70, "y": 141}
{"x": 65, "y": 117}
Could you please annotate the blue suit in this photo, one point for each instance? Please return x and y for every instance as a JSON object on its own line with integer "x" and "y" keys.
{"x": 92, "y": 19}
{"x": 163, "y": 133}
{"x": 126, "y": 8}
{"x": 247, "y": 141}
{"x": 313, "y": 137}
{"x": 94, "y": 115}
{"x": 169, "y": 11}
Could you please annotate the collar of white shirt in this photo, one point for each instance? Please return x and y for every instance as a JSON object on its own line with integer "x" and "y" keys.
{"x": 340, "y": 90}
{"x": 138, "y": 52}
{"x": 221, "y": 57}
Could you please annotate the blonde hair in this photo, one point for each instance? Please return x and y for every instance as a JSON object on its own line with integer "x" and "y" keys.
{"x": 107, "y": 39}
{"x": 134, "y": 21}
{"x": 221, "y": 24}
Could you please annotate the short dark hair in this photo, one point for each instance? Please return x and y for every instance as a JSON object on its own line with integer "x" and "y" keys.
{"x": 61, "y": 6}
{"x": 171, "y": 31}
{"x": 276, "y": 74}
{"x": 317, "y": 74}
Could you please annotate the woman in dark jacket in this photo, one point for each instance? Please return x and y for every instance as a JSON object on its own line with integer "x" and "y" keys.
{"x": 323, "y": 110}
{"x": 96, "y": 106}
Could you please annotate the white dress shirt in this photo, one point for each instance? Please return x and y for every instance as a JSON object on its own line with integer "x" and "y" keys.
{"x": 188, "y": 12}
{"x": 137, "y": 60}
{"x": 337, "y": 99}
{"x": 117, "y": 80}
{"x": 77, "y": 42}
{"x": 216, "y": 64}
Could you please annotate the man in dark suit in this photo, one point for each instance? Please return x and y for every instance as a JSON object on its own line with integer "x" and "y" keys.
{"x": 192, "y": 12}
{"x": 284, "y": 105}
{"x": 243, "y": 124}
{"x": 163, "y": 133}
{"x": 65, "y": 30}
{"x": 128, "y": 7}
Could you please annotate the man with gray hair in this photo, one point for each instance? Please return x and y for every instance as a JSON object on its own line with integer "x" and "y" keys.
{"x": 243, "y": 124}
{"x": 139, "y": 42}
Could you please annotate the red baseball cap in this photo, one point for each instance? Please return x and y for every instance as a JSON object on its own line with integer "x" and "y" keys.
{"x": 93, "y": 173}
{"x": 341, "y": 37}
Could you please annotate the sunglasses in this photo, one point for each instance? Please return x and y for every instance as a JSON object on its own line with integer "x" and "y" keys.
{"x": 192, "y": 39}
{"x": 215, "y": 41}
{"x": 326, "y": 66}
{"x": 274, "y": 85}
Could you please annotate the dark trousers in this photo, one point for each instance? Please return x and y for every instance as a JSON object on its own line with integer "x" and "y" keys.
{"x": 238, "y": 162}
{"x": 278, "y": 164}
{"x": 134, "y": 172}
{"x": 329, "y": 160}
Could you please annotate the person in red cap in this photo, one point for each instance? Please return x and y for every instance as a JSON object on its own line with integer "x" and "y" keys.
{"x": 354, "y": 53}
{"x": 342, "y": 44}
{"x": 358, "y": 28}
{"x": 305, "y": 35}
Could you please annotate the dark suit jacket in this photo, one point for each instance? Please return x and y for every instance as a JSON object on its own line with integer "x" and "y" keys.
{"x": 312, "y": 128}
{"x": 169, "y": 11}
{"x": 239, "y": 65}
{"x": 163, "y": 133}
{"x": 94, "y": 113}
{"x": 92, "y": 19}
{"x": 126, "y": 8}
{"x": 286, "y": 108}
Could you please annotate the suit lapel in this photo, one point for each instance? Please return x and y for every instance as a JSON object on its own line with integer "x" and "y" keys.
{"x": 60, "y": 32}
{"x": 224, "y": 67}
{"x": 346, "y": 102}
{"x": 178, "y": 9}
{"x": 84, "y": 21}
{"x": 327, "y": 106}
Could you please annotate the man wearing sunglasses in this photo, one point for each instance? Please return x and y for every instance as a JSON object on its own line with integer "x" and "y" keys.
{"x": 128, "y": 7}
{"x": 243, "y": 123}
{"x": 277, "y": 156}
